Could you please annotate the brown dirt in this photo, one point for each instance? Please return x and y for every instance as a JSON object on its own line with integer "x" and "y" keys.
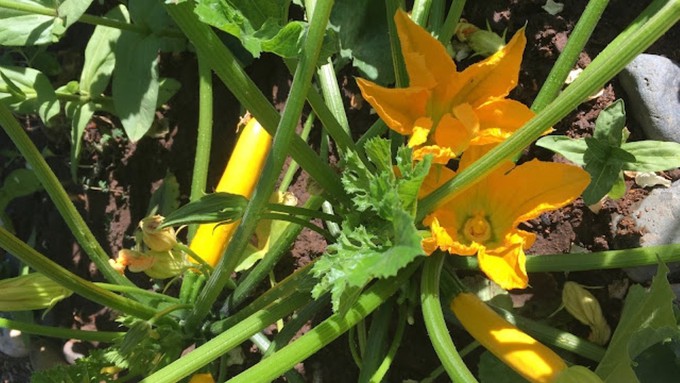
{"x": 116, "y": 178}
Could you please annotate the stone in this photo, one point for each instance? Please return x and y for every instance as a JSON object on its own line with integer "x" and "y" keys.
{"x": 659, "y": 216}
{"x": 13, "y": 343}
{"x": 652, "y": 83}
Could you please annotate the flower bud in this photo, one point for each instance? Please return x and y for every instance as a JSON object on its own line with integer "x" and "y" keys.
{"x": 157, "y": 239}
{"x": 583, "y": 306}
{"x": 30, "y": 292}
{"x": 166, "y": 264}
{"x": 483, "y": 42}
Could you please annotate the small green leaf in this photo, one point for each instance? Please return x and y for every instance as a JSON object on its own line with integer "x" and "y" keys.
{"x": 27, "y": 90}
{"x": 652, "y": 156}
{"x": 167, "y": 87}
{"x": 659, "y": 362}
{"x": 618, "y": 190}
{"x": 610, "y": 123}
{"x": 18, "y": 183}
{"x": 20, "y": 29}
{"x": 603, "y": 176}
{"x": 166, "y": 198}
{"x": 135, "y": 82}
{"x": 215, "y": 207}
{"x": 81, "y": 117}
{"x": 570, "y": 148}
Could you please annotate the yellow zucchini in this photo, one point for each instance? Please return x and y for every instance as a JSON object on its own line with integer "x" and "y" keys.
{"x": 240, "y": 177}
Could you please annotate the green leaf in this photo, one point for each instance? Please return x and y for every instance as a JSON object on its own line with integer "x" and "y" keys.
{"x": 618, "y": 190}
{"x": 153, "y": 16}
{"x": 610, "y": 123}
{"x": 26, "y": 90}
{"x": 604, "y": 164}
{"x": 362, "y": 30}
{"x": 492, "y": 370}
{"x": 643, "y": 309}
{"x": 215, "y": 207}
{"x": 71, "y": 10}
{"x": 570, "y": 148}
{"x": 652, "y": 156}
{"x": 167, "y": 88}
{"x": 99, "y": 54}
{"x": 20, "y": 29}
{"x": 382, "y": 238}
{"x": 135, "y": 82}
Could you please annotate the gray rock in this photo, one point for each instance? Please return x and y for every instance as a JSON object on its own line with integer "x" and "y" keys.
{"x": 12, "y": 343}
{"x": 659, "y": 215}
{"x": 653, "y": 86}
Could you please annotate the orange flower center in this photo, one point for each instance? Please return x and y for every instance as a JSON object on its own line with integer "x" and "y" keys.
{"x": 477, "y": 228}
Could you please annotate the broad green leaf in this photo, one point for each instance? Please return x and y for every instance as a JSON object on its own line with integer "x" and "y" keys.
{"x": 99, "y": 54}
{"x": 570, "y": 148}
{"x": 643, "y": 309}
{"x": 214, "y": 207}
{"x": 27, "y": 90}
{"x": 362, "y": 30}
{"x": 71, "y": 10}
{"x": 21, "y": 29}
{"x": 153, "y": 16}
{"x": 135, "y": 82}
{"x": 379, "y": 152}
{"x": 492, "y": 370}
{"x": 652, "y": 156}
{"x": 81, "y": 117}
{"x": 610, "y": 123}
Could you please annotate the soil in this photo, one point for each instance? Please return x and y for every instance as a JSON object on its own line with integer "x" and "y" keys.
{"x": 116, "y": 178}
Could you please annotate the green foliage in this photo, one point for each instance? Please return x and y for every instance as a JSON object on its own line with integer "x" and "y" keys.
{"x": 362, "y": 30}
{"x": 18, "y": 183}
{"x": 20, "y": 29}
{"x": 647, "y": 319}
{"x": 660, "y": 362}
{"x": 378, "y": 235}
{"x": 261, "y": 26}
{"x": 86, "y": 369}
{"x": 607, "y": 154}
{"x": 26, "y": 90}
{"x": 215, "y": 207}
{"x": 492, "y": 370}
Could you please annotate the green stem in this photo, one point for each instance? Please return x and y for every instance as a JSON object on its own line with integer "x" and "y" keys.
{"x": 199, "y": 177}
{"x": 328, "y": 82}
{"x": 281, "y": 144}
{"x": 451, "y": 22}
{"x": 604, "y": 67}
{"x": 400, "y": 75}
{"x": 435, "y": 324}
{"x": 612, "y": 259}
{"x": 384, "y": 367}
{"x": 78, "y": 285}
{"x": 376, "y": 341}
{"x": 436, "y": 20}
{"x": 60, "y": 198}
{"x": 226, "y": 341}
{"x": 577, "y": 40}
{"x": 420, "y": 12}
{"x": 133, "y": 290}
{"x": 299, "y": 221}
{"x": 228, "y": 69}
{"x": 327, "y": 331}
{"x": 293, "y": 167}
{"x": 61, "y": 333}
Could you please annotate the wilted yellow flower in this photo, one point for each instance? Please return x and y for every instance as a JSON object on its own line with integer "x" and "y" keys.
{"x": 156, "y": 264}
{"x": 582, "y": 305}
{"x": 157, "y": 239}
{"x": 33, "y": 291}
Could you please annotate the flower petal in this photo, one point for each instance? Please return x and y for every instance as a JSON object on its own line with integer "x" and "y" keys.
{"x": 421, "y": 129}
{"x": 499, "y": 118}
{"x": 457, "y": 132}
{"x": 437, "y": 176}
{"x": 399, "y": 108}
{"x": 533, "y": 188}
{"x": 506, "y": 265}
{"x": 440, "y": 154}
{"x": 495, "y": 76}
{"x": 427, "y": 61}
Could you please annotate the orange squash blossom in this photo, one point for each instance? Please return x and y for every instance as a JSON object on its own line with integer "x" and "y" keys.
{"x": 240, "y": 177}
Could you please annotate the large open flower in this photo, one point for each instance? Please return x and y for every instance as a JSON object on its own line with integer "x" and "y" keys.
{"x": 445, "y": 111}
{"x": 483, "y": 219}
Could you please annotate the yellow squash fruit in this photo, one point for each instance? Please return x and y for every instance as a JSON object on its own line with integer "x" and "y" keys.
{"x": 240, "y": 177}
{"x": 524, "y": 354}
